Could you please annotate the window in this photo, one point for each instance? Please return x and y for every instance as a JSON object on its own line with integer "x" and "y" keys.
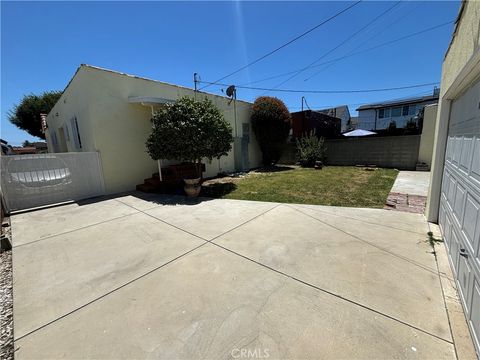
{"x": 67, "y": 133}
{"x": 405, "y": 110}
{"x": 384, "y": 113}
{"x": 412, "y": 110}
{"x": 76, "y": 133}
{"x": 396, "y": 111}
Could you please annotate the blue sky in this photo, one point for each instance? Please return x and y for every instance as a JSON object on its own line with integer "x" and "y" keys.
{"x": 42, "y": 44}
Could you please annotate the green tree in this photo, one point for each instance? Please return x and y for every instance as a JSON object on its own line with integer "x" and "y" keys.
{"x": 26, "y": 115}
{"x": 189, "y": 130}
{"x": 271, "y": 124}
{"x": 27, "y": 143}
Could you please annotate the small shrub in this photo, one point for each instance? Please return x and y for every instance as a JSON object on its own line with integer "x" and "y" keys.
{"x": 271, "y": 124}
{"x": 310, "y": 149}
{"x": 411, "y": 125}
{"x": 392, "y": 127}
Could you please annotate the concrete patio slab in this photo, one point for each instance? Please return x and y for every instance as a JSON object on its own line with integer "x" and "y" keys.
{"x": 57, "y": 275}
{"x": 337, "y": 262}
{"x": 293, "y": 280}
{"x": 36, "y": 225}
{"x": 380, "y": 233}
{"x": 412, "y": 183}
{"x": 212, "y": 304}
{"x": 211, "y": 217}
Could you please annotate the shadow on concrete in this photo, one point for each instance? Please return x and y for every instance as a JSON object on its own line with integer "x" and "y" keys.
{"x": 218, "y": 190}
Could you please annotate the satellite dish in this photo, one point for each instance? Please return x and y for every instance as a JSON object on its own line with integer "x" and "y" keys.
{"x": 231, "y": 91}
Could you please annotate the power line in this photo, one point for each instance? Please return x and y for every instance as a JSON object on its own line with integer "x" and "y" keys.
{"x": 363, "y": 102}
{"x": 339, "y": 45}
{"x": 286, "y": 44}
{"x": 355, "y": 53}
{"x": 324, "y": 91}
{"x": 366, "y": 41}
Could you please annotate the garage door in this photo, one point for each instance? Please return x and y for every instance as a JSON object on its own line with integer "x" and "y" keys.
{"x": 459, "y": 213}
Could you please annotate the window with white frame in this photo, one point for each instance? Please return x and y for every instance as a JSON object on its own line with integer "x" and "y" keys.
{"x": 396, "y": 111}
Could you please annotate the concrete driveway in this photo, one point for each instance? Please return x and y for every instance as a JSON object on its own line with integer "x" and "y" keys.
{"x": 153, "y": 276}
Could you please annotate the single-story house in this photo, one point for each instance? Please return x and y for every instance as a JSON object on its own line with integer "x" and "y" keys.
{"x": 109, "y": 112}
{"x": 454, "y": 194}
{"x": 378, "y": 116}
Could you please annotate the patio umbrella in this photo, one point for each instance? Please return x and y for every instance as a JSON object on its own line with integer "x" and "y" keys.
{"x": 359, "y": 132}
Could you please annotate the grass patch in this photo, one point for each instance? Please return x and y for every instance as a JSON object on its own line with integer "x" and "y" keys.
{"x": 334, "y": 185}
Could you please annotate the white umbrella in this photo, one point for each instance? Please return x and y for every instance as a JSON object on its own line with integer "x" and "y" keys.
{"x": 359, "y": 132}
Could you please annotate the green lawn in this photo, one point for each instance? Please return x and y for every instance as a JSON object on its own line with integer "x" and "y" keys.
{"x": 334, "y": 185}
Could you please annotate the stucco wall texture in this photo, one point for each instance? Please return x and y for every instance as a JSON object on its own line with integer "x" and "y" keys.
{"x": 117, "y": 129}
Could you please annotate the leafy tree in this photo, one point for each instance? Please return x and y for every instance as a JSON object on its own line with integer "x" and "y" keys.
{"x": 27, "y": 143}
{"x": 26, "y": 115}
{"x": 271, "y": 124}
{"x": 189, "y": 130}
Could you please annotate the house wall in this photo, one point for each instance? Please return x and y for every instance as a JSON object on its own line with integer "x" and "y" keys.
{"x": 460, "y": 68}
{"x": 366, "y": 119}
{"x": 428, "y": 134}
{"x": 117, "y": 129}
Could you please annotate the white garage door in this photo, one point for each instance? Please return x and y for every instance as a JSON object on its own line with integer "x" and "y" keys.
{"x": 459, "y": 214}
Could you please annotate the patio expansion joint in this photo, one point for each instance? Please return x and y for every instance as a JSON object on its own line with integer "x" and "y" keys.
{"x": 357, "y": 219}
{"x": 145, "y": 274}
{"x": 414, "y": 263}
{"x": 338, "y": 296}
{"x": 74, "y": 230}
{"x": 198, "y": 236}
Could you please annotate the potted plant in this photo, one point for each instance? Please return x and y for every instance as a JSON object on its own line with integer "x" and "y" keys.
{"x": 189, "y": 131}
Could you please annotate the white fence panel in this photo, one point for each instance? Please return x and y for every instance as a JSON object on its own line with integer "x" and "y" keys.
{"x": 43, "y": 179}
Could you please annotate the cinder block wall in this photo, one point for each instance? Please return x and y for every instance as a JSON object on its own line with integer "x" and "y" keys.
{"x": 399, "y": 152}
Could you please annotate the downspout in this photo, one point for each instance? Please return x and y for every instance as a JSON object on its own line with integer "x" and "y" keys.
{"x": 159, "y": 162}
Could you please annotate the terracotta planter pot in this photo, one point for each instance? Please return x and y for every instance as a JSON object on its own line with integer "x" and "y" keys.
{"x": 192, "y": 187}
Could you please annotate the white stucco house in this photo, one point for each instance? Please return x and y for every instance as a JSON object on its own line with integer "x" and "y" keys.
{"x": 109, "y": 112}
{"x": 379, "y": 115}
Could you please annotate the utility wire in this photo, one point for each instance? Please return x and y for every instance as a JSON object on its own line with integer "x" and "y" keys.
{"x": 366, "y": 41}
{"x": 363, "y": 102}
{"x": 323, "y": 91}
{"x": 286, "y": 44}
{"x": 355, "y": 53}
{"x": 339, "y": 45}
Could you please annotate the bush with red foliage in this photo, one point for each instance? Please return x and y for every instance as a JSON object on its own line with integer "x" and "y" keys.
{"x": 271, "y": 124}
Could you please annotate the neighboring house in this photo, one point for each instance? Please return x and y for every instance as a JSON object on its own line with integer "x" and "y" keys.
{"x": 378, "y": 116}
{"x": 109, "y": 112}
{"x": 304, "y": 122}
{"x": 6, "y": 149}
{"x": 353, "y": 124}
{"x": 454, "y": 194}
{"x": 24, "y": 150}
{"x": 342, "y": 112}
{"x": 41, "y": 146}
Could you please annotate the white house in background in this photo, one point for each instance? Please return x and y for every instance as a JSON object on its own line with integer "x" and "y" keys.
{"x": 340, "y": 112}
{"x": 109, "y": 112}
{"x": 378, "y": 116}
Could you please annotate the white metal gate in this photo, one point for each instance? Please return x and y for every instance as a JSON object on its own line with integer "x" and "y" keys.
{"x": 459, "y": 214}
{"x": 29, "y": 181}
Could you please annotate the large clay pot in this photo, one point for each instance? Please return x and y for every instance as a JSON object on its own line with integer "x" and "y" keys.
{"x": 192, "y": 187}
